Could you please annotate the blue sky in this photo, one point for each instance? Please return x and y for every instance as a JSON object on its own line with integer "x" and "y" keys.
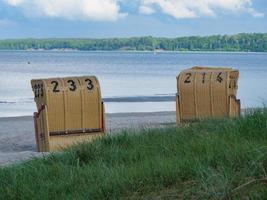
{"x": 126, "y": 18}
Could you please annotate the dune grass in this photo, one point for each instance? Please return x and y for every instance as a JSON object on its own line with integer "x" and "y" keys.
{"x": 213, "y": 159}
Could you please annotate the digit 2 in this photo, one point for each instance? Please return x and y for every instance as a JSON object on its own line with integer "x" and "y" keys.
{"x": 188, "y": 76}
{"x": 55, "y": 84}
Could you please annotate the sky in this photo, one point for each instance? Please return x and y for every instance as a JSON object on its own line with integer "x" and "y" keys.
{"x": 129, "y": 18}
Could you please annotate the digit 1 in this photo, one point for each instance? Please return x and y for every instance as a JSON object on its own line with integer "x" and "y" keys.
{"x": 203, "y": 77}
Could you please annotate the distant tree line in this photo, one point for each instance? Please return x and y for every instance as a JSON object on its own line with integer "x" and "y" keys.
{"x": 248, "y": 42}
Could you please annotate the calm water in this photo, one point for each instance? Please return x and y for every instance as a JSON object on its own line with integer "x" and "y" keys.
{"x": 148, "y": 79}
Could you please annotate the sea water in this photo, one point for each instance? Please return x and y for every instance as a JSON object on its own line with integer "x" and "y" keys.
{"x": 130, "y": 81}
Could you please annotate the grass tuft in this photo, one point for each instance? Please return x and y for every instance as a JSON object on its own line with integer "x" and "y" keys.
{"x": 212, "y": 159}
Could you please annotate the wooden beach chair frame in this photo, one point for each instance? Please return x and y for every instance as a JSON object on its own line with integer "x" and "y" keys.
{"x": 228, "y": 91}
{"x": 70, "y": 133}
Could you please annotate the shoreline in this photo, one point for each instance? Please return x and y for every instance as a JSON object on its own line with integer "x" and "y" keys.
{"x": 130, "y": 51}
{"x": 17, "y": 136}
{"x": 122, "y": 114}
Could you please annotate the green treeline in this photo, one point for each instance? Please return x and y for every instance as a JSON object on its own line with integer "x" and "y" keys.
{"x": 254, "y": 42}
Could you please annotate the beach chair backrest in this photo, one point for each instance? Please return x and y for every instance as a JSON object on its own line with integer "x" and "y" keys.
{"x": 73, "y": 104}
{"x": 205, "y": 92}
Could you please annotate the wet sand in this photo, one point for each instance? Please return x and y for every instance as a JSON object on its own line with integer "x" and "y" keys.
{"x": 17, "y": 140}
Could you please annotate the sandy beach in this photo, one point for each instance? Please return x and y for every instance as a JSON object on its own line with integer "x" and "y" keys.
{"x": 17, "y": 140}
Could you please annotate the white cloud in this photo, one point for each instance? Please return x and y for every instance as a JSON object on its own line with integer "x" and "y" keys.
{"x": 196, "y": 8}
{"x": 14, "y": 2}
{"x": 147, "y": 10}
{"x": 255, "y": 13}
{"x": 97, "y": 10}
{"x": 110, "y": 10}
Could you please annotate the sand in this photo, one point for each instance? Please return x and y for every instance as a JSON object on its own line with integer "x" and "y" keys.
{"x": 17, "y": 140}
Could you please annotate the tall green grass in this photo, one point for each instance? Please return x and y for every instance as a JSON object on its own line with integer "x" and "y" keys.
{"x": 213, "y": 159}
